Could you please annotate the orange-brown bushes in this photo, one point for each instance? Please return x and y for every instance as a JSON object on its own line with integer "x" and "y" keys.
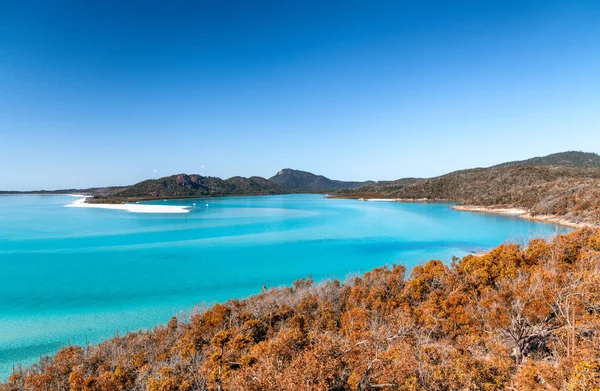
{"x": 516, "y": 318}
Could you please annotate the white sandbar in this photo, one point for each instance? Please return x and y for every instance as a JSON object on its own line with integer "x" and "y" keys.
{"x": 134, "y": 208}
{"x": 485, "y": 209}
{"x": 417, "y": 200}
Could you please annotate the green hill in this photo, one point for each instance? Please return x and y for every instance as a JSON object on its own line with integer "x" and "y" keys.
{"x": 303, "y": 181}
{"x": 378, "y": 189}
{"x": 561, "y": 185}
{"x": 562, "y": 159}
{"x": 183, "y": 185}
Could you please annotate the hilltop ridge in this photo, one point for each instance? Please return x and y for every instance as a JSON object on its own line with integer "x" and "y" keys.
{"x": 194, "y": 185}
{"x": 575, "y": 159}
{"x": 297, "y": 180}
{"x": 564, "y": 185}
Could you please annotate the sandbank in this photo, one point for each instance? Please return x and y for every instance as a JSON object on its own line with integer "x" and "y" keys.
{"x": 483, "y": 209}
{"x": 134, "y": 208}
{"x": 524, "y": 214}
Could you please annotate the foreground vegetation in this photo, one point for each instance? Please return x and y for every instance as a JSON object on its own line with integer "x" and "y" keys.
{"x": 516, "y": 318}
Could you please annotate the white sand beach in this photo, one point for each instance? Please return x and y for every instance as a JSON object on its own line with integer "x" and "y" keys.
{"x": 517, "y": 212}
{"x": 134, "y": 208}
{"x": 483, "y": 209}
{"x": 524, "y": 214}
{"x": 418, "y": 200}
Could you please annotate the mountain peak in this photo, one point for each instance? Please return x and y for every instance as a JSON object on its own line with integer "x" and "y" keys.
{"x": 286, "y": 171}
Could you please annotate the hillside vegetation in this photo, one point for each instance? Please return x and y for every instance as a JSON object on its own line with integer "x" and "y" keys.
{"x": 296, "y": 180}
{"x": 516, "y": 318}
{"x": 562, "y": 159}
{"x": 183, "y": 185}
{"x": 378, "y": 189}
{"x": 560, "y": 190}
{"x": 563, "y": 185}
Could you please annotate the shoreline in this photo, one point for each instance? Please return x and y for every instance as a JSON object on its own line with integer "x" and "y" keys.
{"x": 523, "y": 214}
{"x": 516, "y": 212}
{"x": 556, "y": 220}
{"x": 415, "y": 200}
{"x": 484, "y": 209}
{"x": 133, "y": 208}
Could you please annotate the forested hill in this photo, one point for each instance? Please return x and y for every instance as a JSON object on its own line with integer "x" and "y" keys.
{"x": 183, "y": 185}
{"x": 563, "y": 159}
{"x": 383, "y": 189}
{"x": 556, "y": 187}
{"x": 296, "y": 180}
{"x": 516, "y": 318}
{"x": 564, "y": 184}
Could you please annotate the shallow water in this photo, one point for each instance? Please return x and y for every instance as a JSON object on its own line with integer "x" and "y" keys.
{"x": 71, "y": 275}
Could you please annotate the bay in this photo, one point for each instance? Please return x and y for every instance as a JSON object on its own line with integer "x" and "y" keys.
{"x": 79, "y": 275}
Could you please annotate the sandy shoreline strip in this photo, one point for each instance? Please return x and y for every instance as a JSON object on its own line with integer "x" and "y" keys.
{"x": 556, "y": 220}
{"x": 523, "y": 214}
{"x": 417, "y": 200}
{"x": 483, "y": 209}
{"x": 517, "y": 212}
{"x": 134, "y": 208}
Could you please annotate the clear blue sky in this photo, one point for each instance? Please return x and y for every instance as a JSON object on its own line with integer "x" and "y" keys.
{"x": 113, "y": 92}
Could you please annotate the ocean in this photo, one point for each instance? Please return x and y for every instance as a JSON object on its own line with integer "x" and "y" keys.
{"x": 81, "y": 275}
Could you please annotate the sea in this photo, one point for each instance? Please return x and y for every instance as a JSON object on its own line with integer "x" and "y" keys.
{"x": 82, "y": 275}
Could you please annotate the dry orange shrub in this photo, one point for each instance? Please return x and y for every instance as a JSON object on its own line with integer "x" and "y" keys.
{"x": 516, "y": 318}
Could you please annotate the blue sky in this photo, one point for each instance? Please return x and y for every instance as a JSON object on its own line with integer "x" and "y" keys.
{"x": 113, "y": 92}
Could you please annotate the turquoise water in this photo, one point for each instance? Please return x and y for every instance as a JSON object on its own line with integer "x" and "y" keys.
{"x": 71, "y": 275}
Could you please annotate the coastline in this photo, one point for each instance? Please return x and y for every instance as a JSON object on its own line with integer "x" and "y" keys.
{"x": 133, "y": 208}
{"x": 516, "y": 212}
{"x": 556, "y": 220}
{"x": 524, "y": 214}
{"x": 416, "y": 200}
{"x": 484, "y": 209}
